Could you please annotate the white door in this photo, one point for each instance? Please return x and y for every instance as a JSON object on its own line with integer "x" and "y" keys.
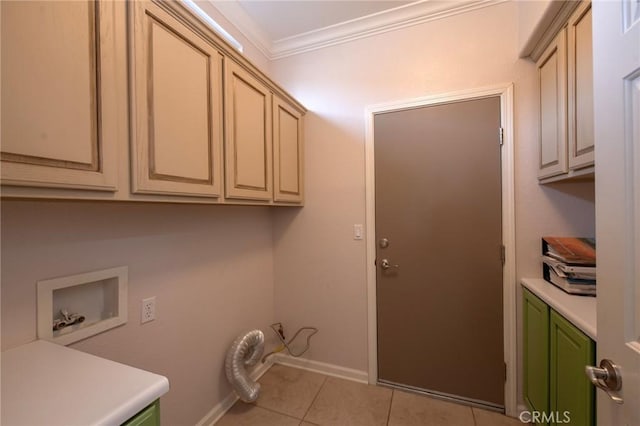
{"x": 616, "y": 38}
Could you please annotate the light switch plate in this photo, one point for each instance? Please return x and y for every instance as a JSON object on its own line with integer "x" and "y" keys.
{"x": 357, "y": 231}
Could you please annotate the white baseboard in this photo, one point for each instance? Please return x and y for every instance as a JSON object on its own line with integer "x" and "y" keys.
{"x": 322, "y": 368}
{"x": 220, "y": 409}
{"x": 521, "y": 408}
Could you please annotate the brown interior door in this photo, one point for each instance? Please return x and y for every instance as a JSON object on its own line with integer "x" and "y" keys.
{"x": 439, "y": 272}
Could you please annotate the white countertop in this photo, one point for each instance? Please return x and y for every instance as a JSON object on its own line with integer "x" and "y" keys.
{"x": 48, "y": 384}
{"x": 579, "y": 310}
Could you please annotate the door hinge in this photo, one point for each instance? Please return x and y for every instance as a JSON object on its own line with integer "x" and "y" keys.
{"x": 503, "y": 254}
{"x": 501, "y": 134}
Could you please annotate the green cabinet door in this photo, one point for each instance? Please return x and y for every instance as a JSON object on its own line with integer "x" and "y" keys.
{"x": 571, "y": 393}
{"x": 536, "y": 352}
{"x": 150, "y": 416}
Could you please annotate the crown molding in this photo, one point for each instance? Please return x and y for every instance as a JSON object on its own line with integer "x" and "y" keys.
{"x": 377, "y": 23}
{"x": 554, "y": 18}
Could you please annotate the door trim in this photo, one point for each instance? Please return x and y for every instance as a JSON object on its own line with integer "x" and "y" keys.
{"x": 505, "y": 93}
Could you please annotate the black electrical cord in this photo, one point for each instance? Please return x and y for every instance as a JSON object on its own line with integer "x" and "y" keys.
{"x": 285, "y": 345}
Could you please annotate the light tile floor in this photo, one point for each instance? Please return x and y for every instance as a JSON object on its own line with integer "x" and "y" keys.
{"x": 290, "y": 396}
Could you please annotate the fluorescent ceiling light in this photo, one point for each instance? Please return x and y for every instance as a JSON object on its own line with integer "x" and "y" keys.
{"x": 213, "y": 24}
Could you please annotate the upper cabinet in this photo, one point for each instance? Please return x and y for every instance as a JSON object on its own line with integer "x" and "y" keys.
{"x": 288, "y": 152}
{"x": 552, "y": 74}
{"x": 565, "y": 73}
{"x": 61, "y": 98}
{"x": 176, "y": 106}
{"x": 580, "y": 85}
{"x": 248, "y": 143}
{"x": 204, "y": 124}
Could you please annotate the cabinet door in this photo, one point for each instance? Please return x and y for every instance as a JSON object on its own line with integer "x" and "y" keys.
{"x": 177, "y": 106}
{"x": 61, "y": 101}
{"x": 288, "y": 154}
{"x": 552, "y": 74}
{"x": 570, "y": 390}
{"x": 150, "y": 416}
{"x": 580, "y": 83}
{"x": 248, "y": 156}
{"x": 536, "y": 352}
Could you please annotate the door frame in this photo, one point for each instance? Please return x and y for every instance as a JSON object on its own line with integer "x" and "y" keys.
{"x": 505, "y": 93}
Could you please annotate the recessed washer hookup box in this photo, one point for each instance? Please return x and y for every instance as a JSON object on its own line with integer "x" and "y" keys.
{"x": 75, "y": 307}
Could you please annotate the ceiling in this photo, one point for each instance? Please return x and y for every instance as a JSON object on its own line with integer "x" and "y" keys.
{"x": 283, "y": 19}
{"x": 281, "y": 28}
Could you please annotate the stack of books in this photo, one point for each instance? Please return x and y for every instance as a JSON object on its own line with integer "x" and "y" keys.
{"x": 570, "y": 264}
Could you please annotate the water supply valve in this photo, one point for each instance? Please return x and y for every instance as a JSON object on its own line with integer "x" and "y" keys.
{"x": 66, "y": 319}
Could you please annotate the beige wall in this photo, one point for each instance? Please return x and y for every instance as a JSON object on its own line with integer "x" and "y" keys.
{"x": 210, "y": 268}
{"x": 319, "y": 268}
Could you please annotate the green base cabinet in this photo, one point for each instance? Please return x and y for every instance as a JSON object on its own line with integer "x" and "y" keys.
{"x": 571, "y": 392}
{"x": 555, "y": 352}
{"x": 150, "y": 416}
{"x": 536, "y": 352}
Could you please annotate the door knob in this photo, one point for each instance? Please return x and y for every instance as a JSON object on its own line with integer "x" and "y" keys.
{"x": 384, "y": 264}
{"x": 607, "y": 378}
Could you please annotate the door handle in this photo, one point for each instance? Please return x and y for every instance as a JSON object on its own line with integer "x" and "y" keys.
{"x": 607, "y": 378}
{"x": 384, "y": 264}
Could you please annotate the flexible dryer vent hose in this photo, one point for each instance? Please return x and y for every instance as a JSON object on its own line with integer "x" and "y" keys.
{"x": 245, "y": 351}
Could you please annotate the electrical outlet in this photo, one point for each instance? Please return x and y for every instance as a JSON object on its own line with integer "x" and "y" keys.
{"x": 148, "y": 312}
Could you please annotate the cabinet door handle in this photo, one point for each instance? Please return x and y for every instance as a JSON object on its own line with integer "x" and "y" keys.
{"x": 608, "y": 378}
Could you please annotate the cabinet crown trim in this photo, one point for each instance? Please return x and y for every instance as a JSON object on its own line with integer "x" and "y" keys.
{"x": 552, "y": 21}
